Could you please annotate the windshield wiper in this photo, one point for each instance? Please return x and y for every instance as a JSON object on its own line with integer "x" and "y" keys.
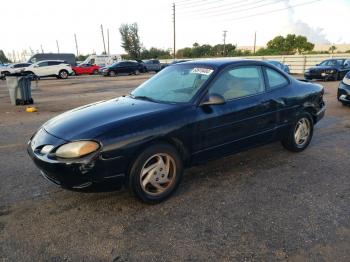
{"x": 142, "y": 98}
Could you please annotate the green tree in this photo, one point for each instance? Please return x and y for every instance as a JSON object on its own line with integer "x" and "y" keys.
{"x": 332, "y": 49}
{"x": 3, "y": 58}
{"x": 289, "y": 45}
{"x": 131, "y": 40}
{"x": 81, "y": 57}
{"x": 154, "y": 52}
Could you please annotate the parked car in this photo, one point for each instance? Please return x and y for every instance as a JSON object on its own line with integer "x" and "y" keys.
{"x": 142, "y": 64}
{"x": 344, "y": 90}
{"x": 280, "y": 65}
{"x": 123, "y": 67}
{"x": 46, "y": 68}
{"x": 12, "y": 68}
{"x": 102, "y": 60}
{"x": 186, "y": 114}
{"x": 164, "y": 65}
{"x": 153, "y": 65}
{"x": 88, "y": 69}
{"x": 331, "y": 69}
{"x": 67, "y": 57}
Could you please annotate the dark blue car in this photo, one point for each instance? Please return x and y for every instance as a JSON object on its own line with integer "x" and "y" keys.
{"x": 344, "y": 90}
{"x": 331, "y": 69}
{"x": 279, "y": 65}
{"x": 187, "y": 114}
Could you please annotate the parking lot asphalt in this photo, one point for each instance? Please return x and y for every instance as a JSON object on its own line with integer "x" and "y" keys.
{"x": 265, "y": 204}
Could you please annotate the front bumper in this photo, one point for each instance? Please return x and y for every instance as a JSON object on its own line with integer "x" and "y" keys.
{"x": 77, "y": 173}
{"x": 324, "y": 75}
{"x": 344, "y": 93}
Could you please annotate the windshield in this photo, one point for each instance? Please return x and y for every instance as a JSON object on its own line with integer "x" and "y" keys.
{"x": 114, "y": 64}
{"x": 174, "y": 84}
{"x": 338, "y": 62}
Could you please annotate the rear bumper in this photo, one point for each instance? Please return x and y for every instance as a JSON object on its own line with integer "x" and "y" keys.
{"x": 321, "y": 113}
{"x": 344, "y": 93}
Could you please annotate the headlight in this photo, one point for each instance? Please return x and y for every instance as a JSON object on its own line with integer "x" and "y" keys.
{"x": 307, "y": 71}
{"x": 346, "y": 81}
{"x": 77, "y": 149}
{"x": 330, "y": 71}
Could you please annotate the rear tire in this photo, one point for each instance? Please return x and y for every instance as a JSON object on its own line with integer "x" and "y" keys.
{"x": 300, "y": 133}
{"x": 63, "y": 74}
{"x": 156, "y": 173}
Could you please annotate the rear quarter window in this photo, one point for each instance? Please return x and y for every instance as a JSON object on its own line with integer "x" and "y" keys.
{"x": 275, "y": 79}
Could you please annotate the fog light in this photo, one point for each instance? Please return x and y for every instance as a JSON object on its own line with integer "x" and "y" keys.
{"x": 46, "y": 149}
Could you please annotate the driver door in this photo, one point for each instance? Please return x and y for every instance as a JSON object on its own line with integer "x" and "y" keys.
{"x": 247, "y": 118}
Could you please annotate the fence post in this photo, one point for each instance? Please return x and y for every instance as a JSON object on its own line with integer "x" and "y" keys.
{"x": 304, "y": 64}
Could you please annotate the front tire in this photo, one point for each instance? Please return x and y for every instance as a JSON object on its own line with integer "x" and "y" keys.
{"x": 156, "y": 173}
{"x": 300, "y": 134}
{"x": 112, "y": 73}
{"x": 63, "y": 74}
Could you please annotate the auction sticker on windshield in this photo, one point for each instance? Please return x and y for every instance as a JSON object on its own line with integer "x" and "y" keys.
{"x": 202, "y": 71}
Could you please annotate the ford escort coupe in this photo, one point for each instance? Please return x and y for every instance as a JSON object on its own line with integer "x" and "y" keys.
{"x": 185, "y": 115}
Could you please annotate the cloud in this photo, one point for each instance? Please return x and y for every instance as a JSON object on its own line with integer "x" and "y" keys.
{"x": 314, "y": 35}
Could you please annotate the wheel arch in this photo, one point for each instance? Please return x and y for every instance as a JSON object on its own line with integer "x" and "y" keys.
{"x": 182, "y": 149}
{"x": 309, "y": 108}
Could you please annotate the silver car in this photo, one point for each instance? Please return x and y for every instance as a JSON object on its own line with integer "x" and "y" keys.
{"x": 152, "y": 65}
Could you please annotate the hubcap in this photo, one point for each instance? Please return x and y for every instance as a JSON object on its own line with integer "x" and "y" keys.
{"x": 302, "y": 132}
{"x": 158, "y": 174}
{"x": 63, "y": 74}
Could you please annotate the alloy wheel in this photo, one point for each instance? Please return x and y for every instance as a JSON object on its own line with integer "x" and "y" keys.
{"x": 302, "y": 131}
{"x": 158, "y": 174}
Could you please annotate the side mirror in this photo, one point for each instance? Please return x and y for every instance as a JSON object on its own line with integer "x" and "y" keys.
{"x": 345, "y": 65}
{"x": 214, "y": 99}
{"x": 317, "y": 64}
{"x": 36, "y": 66}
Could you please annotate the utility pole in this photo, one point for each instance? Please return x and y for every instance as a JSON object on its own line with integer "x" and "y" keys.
{"x": 103, "y": 39}
{"x": 76, "y": 44}
{"x": 254, "y": 41}
{"x": 58, "y": 48}
{"x": 108, "y": 41}
{"x": 42, "y": 50}
{"x": 174, "y": 47}
{"x": 224, "y": 35}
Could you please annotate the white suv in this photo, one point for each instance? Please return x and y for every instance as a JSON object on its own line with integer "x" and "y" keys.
{"x": 57, "y": 68}
{"x": 13, "y": 68}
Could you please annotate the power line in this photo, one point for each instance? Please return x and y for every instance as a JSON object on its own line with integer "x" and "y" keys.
{"x": 258, "y": 14}
{"x": 227, "y": 5}
{"x": 219, "y": 12}
{"x": 272, "y": 11}
{"x": 195, "y": 3}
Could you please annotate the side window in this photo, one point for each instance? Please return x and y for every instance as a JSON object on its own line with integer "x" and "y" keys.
{"x": 275, "y": 79}
{"x": 43, "y": 64}
{"x": 239, "y": 82}
{"x": 17, "y": 66}
{"x": 52, "y": 63}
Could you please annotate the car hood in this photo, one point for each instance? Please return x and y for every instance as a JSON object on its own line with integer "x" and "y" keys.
{"x": 93, "y": 120}
{"x": 323, "y": 68}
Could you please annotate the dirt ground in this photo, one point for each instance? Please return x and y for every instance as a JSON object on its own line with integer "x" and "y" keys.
{"x": 265, "y": 204}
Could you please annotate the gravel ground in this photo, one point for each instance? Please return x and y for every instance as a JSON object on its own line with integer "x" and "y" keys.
{"x": 265, "y": 204}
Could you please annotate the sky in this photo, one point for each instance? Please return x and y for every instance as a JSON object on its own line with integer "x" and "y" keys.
{"x": 30, "y": 24}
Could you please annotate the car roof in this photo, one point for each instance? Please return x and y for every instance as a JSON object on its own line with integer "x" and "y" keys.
{"x": 50, "y": 61}
{"x": 220, "y": 63}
